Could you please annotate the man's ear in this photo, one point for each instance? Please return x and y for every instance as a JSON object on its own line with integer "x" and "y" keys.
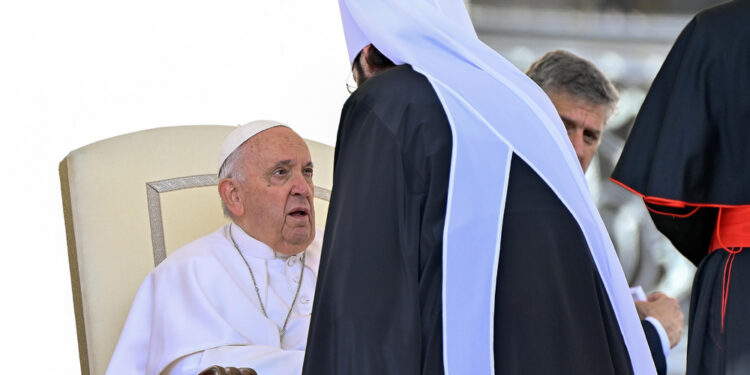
{"x": 229, "y": 193}
{"x": 366, "y": 50}
{"x": 364, "y": 61}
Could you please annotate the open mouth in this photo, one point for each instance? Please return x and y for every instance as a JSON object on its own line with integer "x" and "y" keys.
{"x": 298, "y": 213}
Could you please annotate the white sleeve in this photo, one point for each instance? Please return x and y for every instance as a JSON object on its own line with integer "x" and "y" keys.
{"x": 663, "y": 337}
{"x": 263, "y": 359}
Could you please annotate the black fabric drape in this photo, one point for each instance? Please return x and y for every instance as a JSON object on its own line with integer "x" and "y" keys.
{"x": 377, "y": 307}
{"x": 378, "y": 298}
{"x": 690, "y": 138}
{"x": 689, "y": 145}
{"x": 552, "y": 314}
{"x": 711, "y": 350}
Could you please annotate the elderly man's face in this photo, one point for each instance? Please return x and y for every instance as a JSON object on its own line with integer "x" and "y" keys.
{"x": 583, "y": 121}
{"x": 277, "y": 190}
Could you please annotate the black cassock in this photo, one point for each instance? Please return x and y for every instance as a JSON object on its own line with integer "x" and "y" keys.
{"x": 690, "y": 145}
{"x": 378, "y": 298}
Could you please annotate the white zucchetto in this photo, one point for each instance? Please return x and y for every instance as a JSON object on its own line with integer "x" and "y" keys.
{"x": 243, "y": 132}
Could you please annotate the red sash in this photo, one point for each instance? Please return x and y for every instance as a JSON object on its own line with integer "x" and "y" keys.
{"x": 732, "y": 233}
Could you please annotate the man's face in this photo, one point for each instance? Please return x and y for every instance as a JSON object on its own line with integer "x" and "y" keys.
{"x": 277, "y": 190}
{"x": 584, "y": 123}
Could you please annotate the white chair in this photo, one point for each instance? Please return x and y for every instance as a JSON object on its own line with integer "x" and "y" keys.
{"x": 129, "y": 201}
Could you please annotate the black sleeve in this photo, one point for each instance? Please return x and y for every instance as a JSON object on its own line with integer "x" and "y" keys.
{"x": 689, "y": 229}
{"x": 654, "y": 344}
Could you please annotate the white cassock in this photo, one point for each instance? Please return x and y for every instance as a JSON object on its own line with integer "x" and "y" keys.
{"x": 199, "y": 308}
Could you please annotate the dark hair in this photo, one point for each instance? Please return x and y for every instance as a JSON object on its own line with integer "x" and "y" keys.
{"x": 376, "y": 59}
{"x": 563, "y": 72}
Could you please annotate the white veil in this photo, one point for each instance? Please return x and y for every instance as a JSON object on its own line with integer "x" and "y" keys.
{"x": 494, "y": 111}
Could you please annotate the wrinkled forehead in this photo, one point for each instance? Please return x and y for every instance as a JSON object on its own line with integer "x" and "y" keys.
{"x": 276, "y": 145}
{"x": 277, "y": 137}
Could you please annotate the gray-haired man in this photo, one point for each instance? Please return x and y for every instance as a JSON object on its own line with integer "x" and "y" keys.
{"x": 586, "y": 99}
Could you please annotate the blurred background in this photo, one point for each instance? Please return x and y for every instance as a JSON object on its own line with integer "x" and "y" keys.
{"x": 628, "y": 40}
{"x": 79, "y": 71}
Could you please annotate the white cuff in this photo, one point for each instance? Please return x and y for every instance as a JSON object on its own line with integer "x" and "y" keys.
{"x": 662, "y": 335}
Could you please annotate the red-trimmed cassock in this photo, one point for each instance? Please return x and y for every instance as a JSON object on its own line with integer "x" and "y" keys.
{"x": 688, "y": 156}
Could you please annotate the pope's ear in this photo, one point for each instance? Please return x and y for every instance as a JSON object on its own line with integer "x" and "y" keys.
{"x": 229, "y": 193}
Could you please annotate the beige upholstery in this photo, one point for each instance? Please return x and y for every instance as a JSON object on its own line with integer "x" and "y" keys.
{"x": 129, "y": 201}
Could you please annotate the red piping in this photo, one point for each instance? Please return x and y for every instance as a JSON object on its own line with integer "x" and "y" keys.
{"x": 737, "y": 235}
{"x": 670, "y": 214}
{"x": 673, "y": 202}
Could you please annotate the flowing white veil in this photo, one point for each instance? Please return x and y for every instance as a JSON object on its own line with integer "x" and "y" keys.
{"x": 494, "y": 111}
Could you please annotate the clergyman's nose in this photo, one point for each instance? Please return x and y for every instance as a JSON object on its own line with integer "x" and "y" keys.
{"x": 577, "y": 140}
{"x": 300, "y": 186}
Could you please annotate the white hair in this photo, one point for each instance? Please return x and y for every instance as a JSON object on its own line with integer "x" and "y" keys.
{"x": 230, "y": 169}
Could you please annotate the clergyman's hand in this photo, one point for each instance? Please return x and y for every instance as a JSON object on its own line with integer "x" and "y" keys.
{"x": 218, "y": 370}
{"x": 667, "y": 311}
